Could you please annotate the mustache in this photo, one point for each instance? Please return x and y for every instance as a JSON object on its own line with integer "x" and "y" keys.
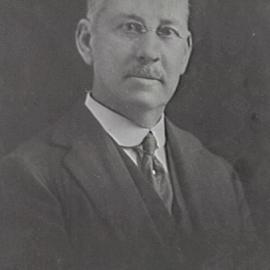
{"x": 146, "y": 72}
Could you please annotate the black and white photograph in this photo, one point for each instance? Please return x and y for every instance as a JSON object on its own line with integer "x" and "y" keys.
{"x": 134, "y": 135}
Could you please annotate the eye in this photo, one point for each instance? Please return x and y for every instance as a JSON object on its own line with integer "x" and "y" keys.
{"x": 168, "y": 32}
{"x": 133, "y": 28}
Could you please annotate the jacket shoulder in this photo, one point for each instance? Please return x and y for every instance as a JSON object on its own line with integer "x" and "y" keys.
{"x": 195, "y": 152}
{"x": 38, "y": 158}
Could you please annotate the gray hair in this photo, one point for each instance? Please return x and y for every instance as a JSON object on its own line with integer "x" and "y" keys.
{"x": 94, "y": 7}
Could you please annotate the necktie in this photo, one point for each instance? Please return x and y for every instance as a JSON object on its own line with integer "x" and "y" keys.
{"x": 154, "y": 171}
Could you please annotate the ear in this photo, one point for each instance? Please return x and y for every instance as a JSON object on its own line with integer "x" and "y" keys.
{"x": 187, "y": 53}
{"x": 83, "y": 37}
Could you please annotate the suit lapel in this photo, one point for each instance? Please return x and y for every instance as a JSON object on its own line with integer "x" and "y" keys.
{"x": 184, "y": 149}
{"x": 181, "y": 213}
{"x": 205, "y": 184}
{"x": 112, "y": 189}
{"x": 208, "y": 192}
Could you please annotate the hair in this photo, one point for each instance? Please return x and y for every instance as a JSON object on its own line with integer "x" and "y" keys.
{"x": 95, "y": 6}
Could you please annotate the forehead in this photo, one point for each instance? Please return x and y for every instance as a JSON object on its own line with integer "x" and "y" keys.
{"x": 149, "y": 10}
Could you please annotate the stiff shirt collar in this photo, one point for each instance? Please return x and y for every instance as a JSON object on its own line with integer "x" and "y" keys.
{"x": 122, "y": 130}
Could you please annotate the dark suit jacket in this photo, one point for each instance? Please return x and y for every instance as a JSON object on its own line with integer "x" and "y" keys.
{"x": 68, "y": 201}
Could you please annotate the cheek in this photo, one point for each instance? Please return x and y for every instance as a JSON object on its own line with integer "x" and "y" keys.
{"x": 173, "y": 68}
{"x": 112, "y": 55}
{"x": 175, "y": 62}
{"x": 104, "y": 61}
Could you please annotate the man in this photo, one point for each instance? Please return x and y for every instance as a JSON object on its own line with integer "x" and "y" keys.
{"x": 114, "y": 184}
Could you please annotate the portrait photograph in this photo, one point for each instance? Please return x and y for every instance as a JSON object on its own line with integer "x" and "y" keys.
{"x": 134, "y": 135}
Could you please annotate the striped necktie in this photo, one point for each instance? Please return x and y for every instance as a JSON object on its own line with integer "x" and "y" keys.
{"x": 154, "y": 171}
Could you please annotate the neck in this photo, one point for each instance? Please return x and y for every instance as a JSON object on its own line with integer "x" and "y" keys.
{"x": 143, "y": 117}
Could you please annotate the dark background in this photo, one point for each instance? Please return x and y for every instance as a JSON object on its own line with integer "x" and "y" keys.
{"x": 223, "y": 99}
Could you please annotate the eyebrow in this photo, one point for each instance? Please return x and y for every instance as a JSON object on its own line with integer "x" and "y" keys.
{"x": 162, "y": 21}
{"x": 133, "y": 17}
{"x": 166, "y": 21}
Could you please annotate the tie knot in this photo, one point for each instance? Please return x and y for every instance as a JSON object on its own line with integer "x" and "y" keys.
{"x": 149, "y": 144}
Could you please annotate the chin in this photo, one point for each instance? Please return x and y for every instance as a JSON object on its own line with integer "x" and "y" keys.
{"x": 148, "y": 95}
{"x": 148, "y": 101}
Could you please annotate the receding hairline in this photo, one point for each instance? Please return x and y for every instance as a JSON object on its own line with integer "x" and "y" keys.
{"x": 95, "y": 6}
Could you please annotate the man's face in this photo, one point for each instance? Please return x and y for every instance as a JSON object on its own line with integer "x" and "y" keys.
{"x": 139, "y": 49}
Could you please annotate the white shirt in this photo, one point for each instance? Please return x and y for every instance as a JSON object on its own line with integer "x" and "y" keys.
{"x": 126, "y": 133}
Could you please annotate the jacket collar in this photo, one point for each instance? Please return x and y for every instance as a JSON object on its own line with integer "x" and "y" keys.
{"x": 125, "y": 132}
{"x": 116, "y": 197}
{"x": 112, "y": 191}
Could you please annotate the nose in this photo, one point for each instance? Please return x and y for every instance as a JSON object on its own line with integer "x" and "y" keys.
{"x": 148, "y": 48}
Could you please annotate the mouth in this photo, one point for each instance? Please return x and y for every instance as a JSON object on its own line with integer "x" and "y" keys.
{"x": 145, "y": 77}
